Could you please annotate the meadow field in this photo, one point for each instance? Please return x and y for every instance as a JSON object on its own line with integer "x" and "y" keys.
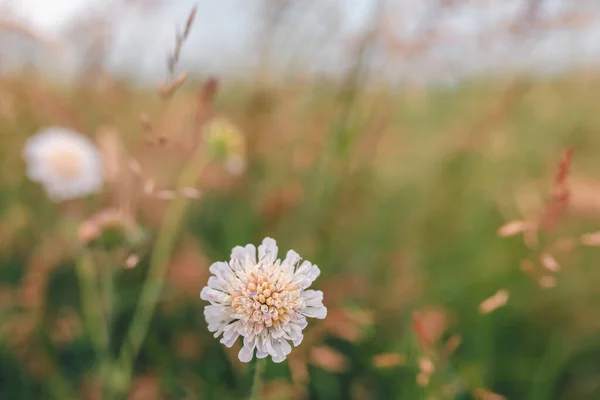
{"x": 457, "y": 230}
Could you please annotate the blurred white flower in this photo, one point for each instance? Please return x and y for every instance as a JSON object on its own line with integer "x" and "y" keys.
{"x": 265, "y": 301}
{"x": 65, "y": 162}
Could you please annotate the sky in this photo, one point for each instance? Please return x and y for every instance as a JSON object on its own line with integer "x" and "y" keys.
{"x": 47, "y": 15}
{"x": 226, "y": 36}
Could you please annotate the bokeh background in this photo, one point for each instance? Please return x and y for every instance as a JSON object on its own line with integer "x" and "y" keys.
{"x": 386, "y": 141}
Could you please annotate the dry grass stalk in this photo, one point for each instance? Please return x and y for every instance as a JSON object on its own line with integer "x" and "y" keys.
{"x": 566, "y": 244}
{"x": 113, "y": 152}
{"x": 547, "y": 281}
{"x": 205, "y": 99}
{"x": 484, "y": 394}
{"x": 452, "y": 345}
{"x": 92, "y": 228}
{"x": 167, "y": 89}
{"x": 180, "y": 38}
{"x": 513, "y": 228}
{"x": 494, "y": 115}
{"x": 134, "y": 166}
{"x": 423, "y": 379}
{"x": 426, "y": 366}
{"x": 388, "y": 360}
{"x": 145, "y": 122}
{"x": 149, "y": 187}
{"x": 549, "y": 262}
{"x": 339, "y": 324}
{"x": 328, "y": 359}
{"x": 561, "y": 192}
{"x": 591, "y": 239}
{"x": 131, "y": 261}
{"x": 190, "y": 193}
{"x": 204, "y": 106}
{"x": 527, "y": 266}
{"x": 165, "y": 194}
{"x": 429, "y": 325}
{"x": 494, "y": 302}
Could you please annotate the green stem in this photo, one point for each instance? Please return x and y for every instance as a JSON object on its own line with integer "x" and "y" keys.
{"x": 108, "y": 293}
{"x": 96, "y": 321}
{"x": 257, "y": 384}
{"x": 159, "y": 264}
{"x": 59, "y": 387}
{"x": 90, "y": 301}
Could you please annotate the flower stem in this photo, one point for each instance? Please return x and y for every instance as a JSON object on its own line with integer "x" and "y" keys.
{"x": 90, "y": 300}
{"x": 97, "y": 323}
{"x": 257, "y": 384}
{"x": 159, "y": 264}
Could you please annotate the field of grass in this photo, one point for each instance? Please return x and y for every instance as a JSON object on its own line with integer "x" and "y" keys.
{"x": 397, "y": 193}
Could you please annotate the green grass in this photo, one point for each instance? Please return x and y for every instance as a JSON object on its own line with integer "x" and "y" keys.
{"x": 394, "y": 196}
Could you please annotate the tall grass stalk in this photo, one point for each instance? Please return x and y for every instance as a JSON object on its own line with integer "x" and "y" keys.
{"x": 91, "y": 303}
{"x": 159, "y": 264}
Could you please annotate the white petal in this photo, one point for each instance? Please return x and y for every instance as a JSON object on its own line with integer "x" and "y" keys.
{"x": 279, "y": 358}
{"x": 285, "y": 346}
{"x": 247, "y": 351}
{"x": 306, "y": 274}
{"x": 218, "y": 284}
{"x": 289, "y": 263}
{"x": 204, "y": 293}
{"x": 220, "y": 268}
{"x": 260, "y": 354}
{"x": 215, "y": 296}
{"x": 217, "y": 317}
{"x": 279, "y": 349}
{"x": 238, "y": 252}
{"x": 222, "y": 271}
{"x": 267, "y": 251}
{"x": 273, "y": 347}
{"x": 245, "y": 354}
{"x": 230, "y": 333}
{"x": 315, "y": 312}
{"x": 251, "y": 252}
{"x": 294, "y": 330}
{"x": 313, "y": 298}
{"x": 245, "y": 255}
{"x": 298, "y": 340}
{"x": 313, "y": 304}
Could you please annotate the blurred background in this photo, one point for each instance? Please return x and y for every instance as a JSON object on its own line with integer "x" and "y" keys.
{"x": 388, "y": 141}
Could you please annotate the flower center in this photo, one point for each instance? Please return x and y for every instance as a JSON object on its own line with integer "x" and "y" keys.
{"x": 268, "y": 298}
{"x": 65, "y": 163}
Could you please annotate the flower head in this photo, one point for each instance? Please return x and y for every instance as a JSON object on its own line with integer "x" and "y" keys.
{"x": 227, "y": 144}
{"x": 65, "y": 162}
{"x": 264, "y": 300}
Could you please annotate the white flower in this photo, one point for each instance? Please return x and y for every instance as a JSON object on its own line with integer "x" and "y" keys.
{"x": 265, "y": 301}
{"x": 65, "y": 162}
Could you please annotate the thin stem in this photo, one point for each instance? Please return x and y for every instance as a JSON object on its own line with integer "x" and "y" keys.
{"x": 159, "y": 264}
{"x": 58, "y": 386}
{"x": 257, "y": 384}
{"x": 108, "y": 293}
{"x": 108, "y": 289}
{"x": 96, "y": 322}
{"x": 91, "y": 304}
